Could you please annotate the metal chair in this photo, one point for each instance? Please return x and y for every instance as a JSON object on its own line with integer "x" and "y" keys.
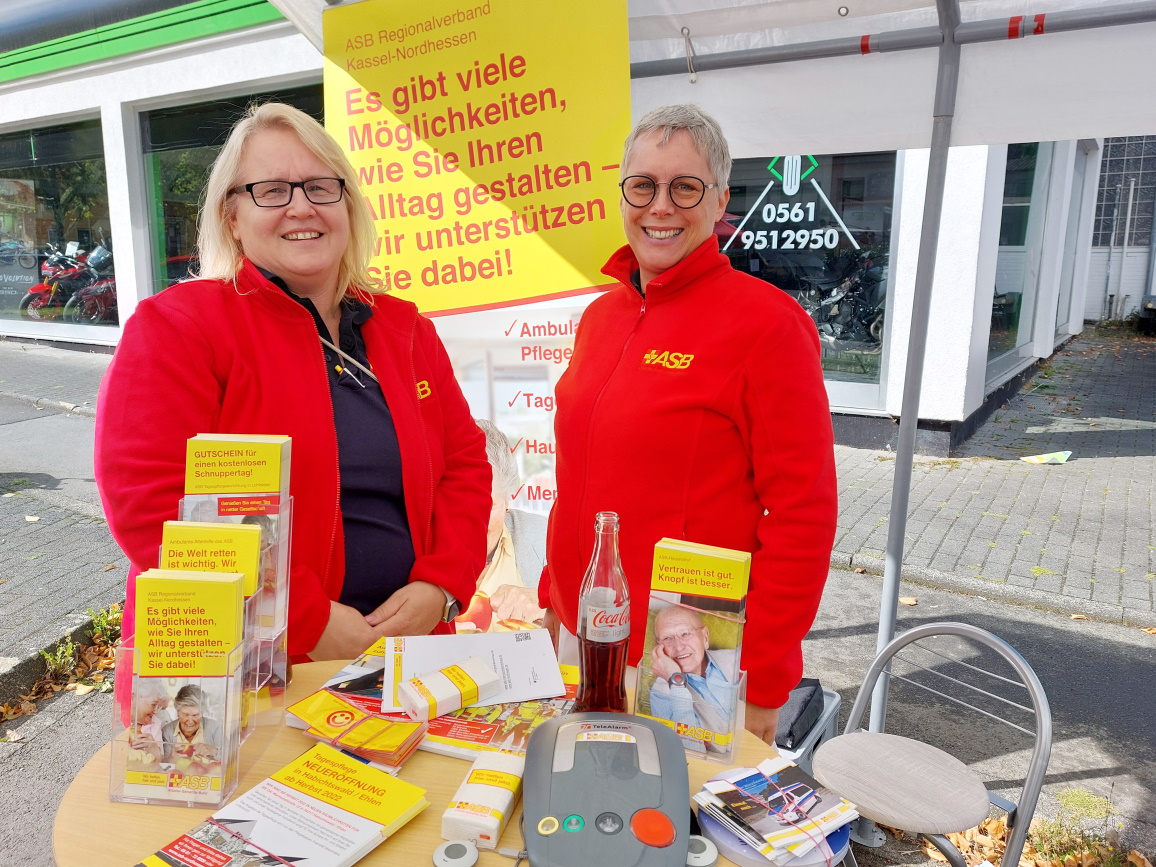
{"x": 905, "y": 783}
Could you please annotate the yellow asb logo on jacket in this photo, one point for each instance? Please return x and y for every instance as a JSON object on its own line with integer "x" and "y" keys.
{"x": 669, "y": 360}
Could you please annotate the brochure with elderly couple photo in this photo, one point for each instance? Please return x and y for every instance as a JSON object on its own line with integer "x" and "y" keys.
{"x": 689, "y": 677}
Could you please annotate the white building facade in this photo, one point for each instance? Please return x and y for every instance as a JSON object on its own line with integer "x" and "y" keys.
{"x": 111, "y": 152}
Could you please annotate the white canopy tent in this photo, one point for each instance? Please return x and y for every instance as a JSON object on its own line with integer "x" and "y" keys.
{"x": 823, "y": 76}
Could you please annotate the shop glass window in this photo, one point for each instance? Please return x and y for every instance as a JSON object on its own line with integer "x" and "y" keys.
{"x": 180, "y": 145}
{"x": 55, "y": 251}
{"x": 1025, "y": 194}
{"x": 818, "y": 226}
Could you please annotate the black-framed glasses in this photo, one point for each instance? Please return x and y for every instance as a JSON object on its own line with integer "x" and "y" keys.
{"x": 277, "y": 194}
{"x": 685, "y": 191}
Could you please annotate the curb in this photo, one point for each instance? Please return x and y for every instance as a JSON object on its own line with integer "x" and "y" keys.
{"x": 1023, "y": 596}
{"x": 22, "y": 673}
{"x": 46, "y": 403}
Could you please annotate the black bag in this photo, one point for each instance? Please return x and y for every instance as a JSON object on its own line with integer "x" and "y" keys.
{"x": 800, "y": 713}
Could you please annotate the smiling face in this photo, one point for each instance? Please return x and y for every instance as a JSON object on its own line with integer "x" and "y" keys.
{"x": 684, "y": 639}
{"x": 146, "y": 711}
{"x": 302, "y": 243}
{"x": 189, "y": 719}
{"x": 661, "y": 234}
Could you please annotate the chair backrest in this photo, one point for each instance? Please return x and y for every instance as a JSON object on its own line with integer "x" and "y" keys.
{"x": 1020, "y": 814}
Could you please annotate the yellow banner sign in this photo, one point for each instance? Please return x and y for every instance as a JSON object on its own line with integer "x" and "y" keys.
{"x": 486, "y": 140}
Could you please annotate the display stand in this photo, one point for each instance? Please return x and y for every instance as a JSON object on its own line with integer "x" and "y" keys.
{"x": 155, "y": 759}
{"x": 152, "y": 761}
{"x": 266, "y": 662}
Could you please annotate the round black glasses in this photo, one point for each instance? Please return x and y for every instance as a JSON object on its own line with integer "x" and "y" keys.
{"x": 685, "y": 191}
{"x": 277, "y": 194}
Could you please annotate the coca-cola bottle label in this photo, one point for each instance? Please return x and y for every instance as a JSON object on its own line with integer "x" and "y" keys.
{"x": 607, "y": 624}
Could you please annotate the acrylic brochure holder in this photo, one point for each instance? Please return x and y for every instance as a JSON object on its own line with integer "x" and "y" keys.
{"x": 182, "y": 742}
{"x": 714, "y": 741}
{"x": 265, "y": 666}
{"x": 154, "y": 759}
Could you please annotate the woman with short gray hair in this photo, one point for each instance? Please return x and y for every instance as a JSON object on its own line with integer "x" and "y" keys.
{"x": 694, "y": 406}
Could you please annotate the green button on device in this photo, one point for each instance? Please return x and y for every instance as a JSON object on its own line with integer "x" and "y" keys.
{"x": 573, "y": 823}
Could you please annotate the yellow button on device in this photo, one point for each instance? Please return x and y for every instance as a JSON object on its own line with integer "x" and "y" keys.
{"x": 547, "y": 826}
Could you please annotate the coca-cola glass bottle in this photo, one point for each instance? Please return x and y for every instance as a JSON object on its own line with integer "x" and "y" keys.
{"x": 603, "y": 623}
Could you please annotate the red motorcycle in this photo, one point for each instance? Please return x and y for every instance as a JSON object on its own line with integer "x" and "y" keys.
{"x": 95, "y": 302}
{"x": 65, "y": 275}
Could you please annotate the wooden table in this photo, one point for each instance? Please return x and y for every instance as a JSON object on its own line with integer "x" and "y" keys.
{"x": 91, "y": 831}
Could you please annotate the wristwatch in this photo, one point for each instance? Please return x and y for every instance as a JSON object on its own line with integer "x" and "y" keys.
{"x": 677, "y": 679}
{"x": 453, "y": 607}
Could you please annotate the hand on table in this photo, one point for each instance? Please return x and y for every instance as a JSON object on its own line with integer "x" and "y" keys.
{"x": 415, "y": 609}
{"x": 661, "y": 664}
{"x": 346, "y": 634}
{"x": 763, "y": 722}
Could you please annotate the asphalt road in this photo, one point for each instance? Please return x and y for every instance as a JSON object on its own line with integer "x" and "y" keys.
{"x": 1098, "y": 678}
{"x": 52, "y": 450}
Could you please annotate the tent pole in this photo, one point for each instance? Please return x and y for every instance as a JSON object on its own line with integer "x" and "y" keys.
{"x": 988, "y": 30}
{"x": 945, "y": 90}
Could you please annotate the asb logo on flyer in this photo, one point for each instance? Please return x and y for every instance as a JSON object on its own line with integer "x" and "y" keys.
{"x": 486, "y": 140}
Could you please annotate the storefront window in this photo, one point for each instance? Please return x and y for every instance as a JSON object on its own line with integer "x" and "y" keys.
{"x": 180, "y": 145}
{"x": 55, "y": 251}
{"x": 819, "y": 228}
{"x": 1017, "y": 262}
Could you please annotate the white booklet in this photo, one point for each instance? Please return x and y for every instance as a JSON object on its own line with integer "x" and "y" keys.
{"x": 525, "y": 662}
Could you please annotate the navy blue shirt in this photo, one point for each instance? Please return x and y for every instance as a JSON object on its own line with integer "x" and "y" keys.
{"x": 378, "y": 546}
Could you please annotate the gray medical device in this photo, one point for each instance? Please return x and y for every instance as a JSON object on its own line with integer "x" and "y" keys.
{"x": 608, "y": 790}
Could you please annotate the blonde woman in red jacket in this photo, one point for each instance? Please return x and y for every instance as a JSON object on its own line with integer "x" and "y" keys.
{"x": 284, "y": 334}
{"x": 694, "y": 406}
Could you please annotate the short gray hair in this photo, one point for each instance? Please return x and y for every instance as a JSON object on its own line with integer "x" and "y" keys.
{"x": 704, "y": 130}
{"x": 501, "y": 459}
{"x": 189, "y": 695}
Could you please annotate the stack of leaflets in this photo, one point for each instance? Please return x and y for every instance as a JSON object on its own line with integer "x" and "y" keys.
{"x": 322, "y": 809}
{"x": 776, "y": 808}
{"x": 689, "y": 677}
{"x": 243, "y": 479}
{"x": 187, "y": 660}
{"x": 384, "y": 742}
{"x": 208, "y": 656}
{"x": 505, "y": 726}
{"x": 525, "y": 663}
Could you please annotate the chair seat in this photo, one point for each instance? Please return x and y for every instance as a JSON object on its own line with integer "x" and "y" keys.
{"x": 902, "y": 783}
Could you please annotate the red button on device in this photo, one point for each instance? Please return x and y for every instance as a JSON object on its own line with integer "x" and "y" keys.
{"x": 652, "y": 827}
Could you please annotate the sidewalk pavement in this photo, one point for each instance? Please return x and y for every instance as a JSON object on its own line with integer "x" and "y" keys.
{"x": 1075, "y": 538}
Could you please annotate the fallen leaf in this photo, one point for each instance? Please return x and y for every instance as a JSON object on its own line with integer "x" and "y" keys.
{"x": 1151, "y": 630}
{"x": 109, "y": 566}
{"x": 13, "y": 736}
{"x": 908, "y": 600}
{"x": 84, "y": 688}
{"x": 31, "y": 518}
{"x": 1139, "y": 860}
{"x": 1079, "y": 617}
{"x": 860, "y": 570}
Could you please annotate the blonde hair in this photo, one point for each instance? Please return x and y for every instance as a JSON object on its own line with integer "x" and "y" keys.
{"x": 220, "y": 253}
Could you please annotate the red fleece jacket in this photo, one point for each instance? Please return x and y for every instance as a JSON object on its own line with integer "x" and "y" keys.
{"x": 699, "y": 412}
{"x": 211, "y": 357}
